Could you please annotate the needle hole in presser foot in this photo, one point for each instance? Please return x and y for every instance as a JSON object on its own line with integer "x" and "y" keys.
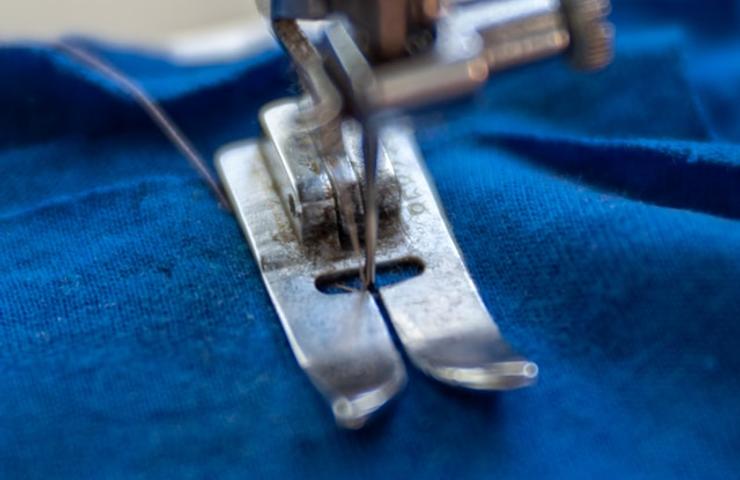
{"x": 348, "y": 281}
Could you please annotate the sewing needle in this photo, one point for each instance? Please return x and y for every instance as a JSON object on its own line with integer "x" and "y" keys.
{"x": 370, "y": 154}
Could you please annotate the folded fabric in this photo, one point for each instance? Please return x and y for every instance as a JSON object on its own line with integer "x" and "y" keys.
{"x": 599, "y": 215}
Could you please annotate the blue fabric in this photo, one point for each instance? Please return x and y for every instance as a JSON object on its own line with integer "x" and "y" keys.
{"x": 599, "y": 214}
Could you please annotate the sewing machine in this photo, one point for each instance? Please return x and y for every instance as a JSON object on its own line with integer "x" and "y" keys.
{"x": 337, "y": 187}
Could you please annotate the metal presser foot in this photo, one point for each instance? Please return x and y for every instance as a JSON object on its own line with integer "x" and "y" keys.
{"x": 336, "y": 178}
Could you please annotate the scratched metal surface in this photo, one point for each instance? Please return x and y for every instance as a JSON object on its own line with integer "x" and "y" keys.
{"x": 341, "y": 341}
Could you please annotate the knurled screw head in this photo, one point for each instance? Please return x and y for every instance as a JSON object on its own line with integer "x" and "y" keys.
{"x": 592, "y": 36}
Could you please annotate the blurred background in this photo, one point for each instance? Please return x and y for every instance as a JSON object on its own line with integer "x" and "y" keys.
{"x": 158, "y": 22}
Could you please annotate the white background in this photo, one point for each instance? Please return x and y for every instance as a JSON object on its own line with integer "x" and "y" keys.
{"x": 140, "y": 21}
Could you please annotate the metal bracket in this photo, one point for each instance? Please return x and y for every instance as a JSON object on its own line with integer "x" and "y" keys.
{"x": 341, "y": 341}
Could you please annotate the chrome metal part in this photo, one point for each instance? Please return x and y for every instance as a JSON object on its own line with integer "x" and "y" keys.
{"x": 516, "y": 32}
{"x": 322, "y": 193}
{"x": 439, "y": 316}
{"x": 389, "y": 190}
{"x": 382, "y": 26}
{"x": 473, "y": 40}
{"x": 332, "y": 168}
{"x": 303, "y": 184}
{"x": 373, "y": 71}
{"x": 341, "y": 340}
{"x": 593, "y": 37}
{"x": 323, "y": 105}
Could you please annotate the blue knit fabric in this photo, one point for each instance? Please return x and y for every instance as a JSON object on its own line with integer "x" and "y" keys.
{"x": 599, "y": 215}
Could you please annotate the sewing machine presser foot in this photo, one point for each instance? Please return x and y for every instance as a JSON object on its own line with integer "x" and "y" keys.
{"x": 301, "y": 215}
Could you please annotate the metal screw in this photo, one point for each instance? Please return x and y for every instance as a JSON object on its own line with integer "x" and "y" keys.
{"x": 592, "y": 37}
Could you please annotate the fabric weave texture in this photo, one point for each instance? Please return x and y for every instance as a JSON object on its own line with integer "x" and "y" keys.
{"x": 599, "y": 215}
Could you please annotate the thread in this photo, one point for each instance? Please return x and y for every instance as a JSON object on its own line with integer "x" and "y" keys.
{"x": 160, "y": 118}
